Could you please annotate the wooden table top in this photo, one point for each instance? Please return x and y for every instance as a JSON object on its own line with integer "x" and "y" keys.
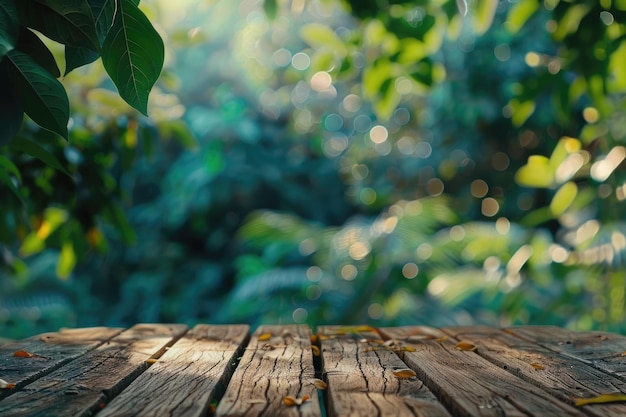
{"x": 170, "y": 370}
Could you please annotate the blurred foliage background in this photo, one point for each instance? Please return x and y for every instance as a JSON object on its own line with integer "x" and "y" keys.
{"x": 326, "y": 161}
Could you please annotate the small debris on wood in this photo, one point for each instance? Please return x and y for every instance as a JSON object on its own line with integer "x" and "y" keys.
{"x": 24, "y": 354}
{"x": 405, "y": 373}
{"x": 6, "y": 385}
{"x": 291, "y": 401}
{"x": 264, "y": 336}
{"x": 466, "y": 346}
{"x": 319, "y": 384}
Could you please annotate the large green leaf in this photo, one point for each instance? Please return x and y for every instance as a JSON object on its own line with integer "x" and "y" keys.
{"x": 103, "y": 12}
{"x": 34, "y": 149}
{"x": 69, "y": 22}
{"x": 31, "y": 44}
{"x": 44, "y": 98}
{"x": 9, "y": 27}
{"x": 11, "y": 109}
{"x": 77, "y": 57}
{"x": 133, "y": 54}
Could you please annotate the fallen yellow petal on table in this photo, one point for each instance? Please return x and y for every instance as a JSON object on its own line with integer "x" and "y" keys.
{"x": 465, "y": 346}
{"x": 405, "y": 373}
{"x": 291, "y": 401}
{"x": 265, "y": 336}
{"x": 601, "y": 399}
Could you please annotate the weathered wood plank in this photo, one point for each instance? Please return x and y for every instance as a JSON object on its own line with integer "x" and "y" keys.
{"x": 50, "y": 350}
{"x": 361, "y": 381}
{"x": 603, "y": 350}
{"x": 562, "y": 376}
{"x": 91, "y": 380}
{"x": 468, "y": 384}
{"x": 184, "y": 381}
{"x": 277, "y": 363}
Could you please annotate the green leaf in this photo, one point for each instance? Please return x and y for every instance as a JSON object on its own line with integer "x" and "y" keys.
{"x": 10, "y": 167}
{"x": 11, "y": 108}
{"x": 103, "y": 12}
{"x": 76, "y": 57}
{"x": 563, "y": 198}
{"x": 69, "y": 22}
{"x": 45, "y": 100}
{"x": 485, "y": 11}
{"x": 9, "y": 27}
{"x": 519, "y": 14}
{"x": 319, "y": 35}
{"x": 537, "y": 173}
{"x": 270, "y": 7}
{"x": 67, "y": 260}
{"x": 133, "y": 55}
{"x": 30, "y": 43}
{"x": 7, "y": 180}
{"x": 34, "y": 149}
{"x": 521, "y": 111}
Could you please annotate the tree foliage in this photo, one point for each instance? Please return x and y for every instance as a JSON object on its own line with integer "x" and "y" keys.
{"x": 390, "y": 161}
{"x": 131, "y": 50}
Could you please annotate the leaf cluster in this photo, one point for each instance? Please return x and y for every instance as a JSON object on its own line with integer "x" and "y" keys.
{"x": 115, "y": 30}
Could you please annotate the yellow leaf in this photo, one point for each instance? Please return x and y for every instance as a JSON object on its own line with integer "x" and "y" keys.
{"x": 290, "y": 401}
{"x": 151, "y": 361}
{"x": 441, "y": 339}
{"x": 408, "y": 349}
{"x": 603, "y": 398}
{"x": 405, "y": 373}
{"x": 265, "y": 336}
{"x": 538, "y": 366}
{"x": 316, "y": 350}
{"x": 465, "y": 346}
{"x": 67, "y": 260}
{"x": 22, "y": 354}
{"x": 319, "y": 384}
{"x": 537, "y": 173}
{"x": 314, "y": 338}
{"x": 563, "y": 198}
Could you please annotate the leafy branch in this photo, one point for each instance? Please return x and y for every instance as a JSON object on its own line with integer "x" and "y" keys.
{"x": 116, "y": 30}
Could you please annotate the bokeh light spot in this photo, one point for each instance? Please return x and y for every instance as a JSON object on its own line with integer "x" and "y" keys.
{"x": 301, "y": 61}
{"x": 348, "y": 272}
{"x": 479, "y": 188}
{"x": 300, "y": 315}
{"x": 375, "y": 311}
{"x": 378, "y": 134}
{"x": 410, "y": 270}
{"x": 321, "y": 81}
{"x": 489, "y": 207}
{"x": 367, "y": 196}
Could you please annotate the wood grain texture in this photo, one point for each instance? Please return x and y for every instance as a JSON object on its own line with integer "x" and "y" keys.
{"x": 278, "y": 365}
{"x": 606, "y": 351}
{"x": 469, "y": 385}
{"x": 562, "y": 376}
{"x": 360, "y": 369}
{"x": 184, "y": 381}
{"x": 51, "y": 351}
{"x": 83, "y": 385}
